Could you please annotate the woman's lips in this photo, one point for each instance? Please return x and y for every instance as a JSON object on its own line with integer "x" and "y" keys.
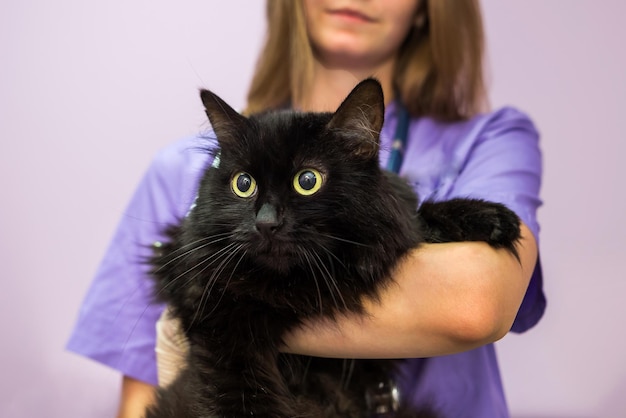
{"x": 351, "y": 15}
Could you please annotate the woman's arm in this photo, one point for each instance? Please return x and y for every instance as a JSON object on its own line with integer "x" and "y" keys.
{"x": 447, "y": 298}
{"x": 136, "y": 396}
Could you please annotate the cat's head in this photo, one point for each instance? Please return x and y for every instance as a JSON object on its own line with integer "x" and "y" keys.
{"x": 295, "y": 188}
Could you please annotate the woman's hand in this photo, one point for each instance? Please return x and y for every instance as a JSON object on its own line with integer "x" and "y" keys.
{"x": 136, "y": 396}
{"x": 171, "y": 348}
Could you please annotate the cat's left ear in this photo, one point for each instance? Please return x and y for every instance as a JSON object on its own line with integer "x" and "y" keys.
{"x": 225, "y": 120}
{"x": 360, "y": 116}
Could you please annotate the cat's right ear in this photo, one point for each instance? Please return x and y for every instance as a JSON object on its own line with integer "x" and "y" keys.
{"x": 225, "y": 120}
{"x": 359, "y": 118}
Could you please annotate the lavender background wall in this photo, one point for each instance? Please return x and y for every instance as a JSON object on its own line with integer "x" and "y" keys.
{"x": 90, "y": 90}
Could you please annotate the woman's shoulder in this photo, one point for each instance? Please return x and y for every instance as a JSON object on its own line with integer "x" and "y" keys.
{"x": 452, "y": 140}
{"x": 506, "y": 118}
{"x": 504, "y": 130}
{"x": 504, "y": 113}
{"x": 482, "y": 126}
{"x": 174, "y": 172}
{"x": 193, "y": 152}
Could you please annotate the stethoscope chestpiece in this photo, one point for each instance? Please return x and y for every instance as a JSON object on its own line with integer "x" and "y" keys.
{"x": 383, "y": 399}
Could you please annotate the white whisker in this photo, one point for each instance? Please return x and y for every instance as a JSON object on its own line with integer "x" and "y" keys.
{"x": 330, "y": 253}
{"x": 330, "y": 280}
{"x": 317, "y": 286}
{"x": 344, "y": 240}
{"x": 207, "y": 259}
{"x": 232, "y": 255}
{"x": 184, "y": 247}
{"x": 213, "y": 279}
{"x": 348, "y": 376}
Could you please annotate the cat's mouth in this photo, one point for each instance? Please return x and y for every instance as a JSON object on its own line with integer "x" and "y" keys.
{"x": 275, "y": 256}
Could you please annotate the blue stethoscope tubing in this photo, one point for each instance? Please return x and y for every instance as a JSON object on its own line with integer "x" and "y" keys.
{"x": 399, "y": 139}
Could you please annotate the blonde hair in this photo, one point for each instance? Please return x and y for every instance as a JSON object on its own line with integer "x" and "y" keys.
{"x": 439, "y": 72}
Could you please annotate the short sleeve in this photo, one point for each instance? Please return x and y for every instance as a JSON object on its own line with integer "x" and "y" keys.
{"x": 116, "y": 322}
{"x": 501, "y": 162}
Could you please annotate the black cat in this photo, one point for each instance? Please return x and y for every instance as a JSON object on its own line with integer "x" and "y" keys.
{"x": 296, "y": 220}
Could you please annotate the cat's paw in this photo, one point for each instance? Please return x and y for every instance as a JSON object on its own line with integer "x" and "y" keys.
{"x": 471, "y": 220}
{"x": 495, "y": 224}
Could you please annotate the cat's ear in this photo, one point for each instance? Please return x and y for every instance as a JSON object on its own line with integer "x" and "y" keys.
{"x": 360, "y": 116}
{"x": 226, "y": 121}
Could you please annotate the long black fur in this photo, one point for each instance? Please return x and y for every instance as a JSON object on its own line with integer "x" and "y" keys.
{"x": 240, "y": 272}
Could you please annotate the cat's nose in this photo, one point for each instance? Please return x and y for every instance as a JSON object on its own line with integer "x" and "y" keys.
{"x": 267, "y": 219}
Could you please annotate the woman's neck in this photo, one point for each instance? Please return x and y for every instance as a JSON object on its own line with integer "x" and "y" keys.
{"x": 331, "y": 85}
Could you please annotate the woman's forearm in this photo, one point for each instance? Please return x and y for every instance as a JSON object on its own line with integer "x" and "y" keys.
{"x": 446, "y": 298}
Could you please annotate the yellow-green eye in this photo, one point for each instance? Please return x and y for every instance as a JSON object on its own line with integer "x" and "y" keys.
{"x": 307, "y": 181}
{"x": 243, "y": 184}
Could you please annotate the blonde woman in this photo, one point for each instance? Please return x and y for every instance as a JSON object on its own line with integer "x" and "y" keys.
{"x": 451, "y": 301}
